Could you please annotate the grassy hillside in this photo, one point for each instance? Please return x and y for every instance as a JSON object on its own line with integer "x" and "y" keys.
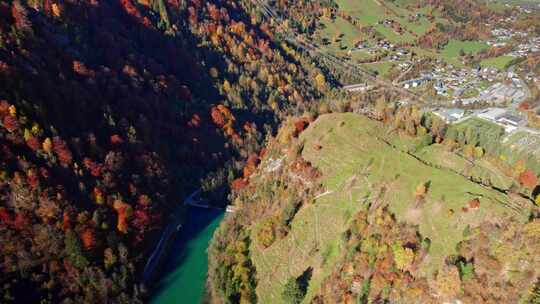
{"x": 344, "y": 33}
{"x": 342, "y": 147}
{"x": 451, "y": 51}
{"x": 500, "y": 62}
{"x": 381, "y": 68}
{"x": 371, "y": 12}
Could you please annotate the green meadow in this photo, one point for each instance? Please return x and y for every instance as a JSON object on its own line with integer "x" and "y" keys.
{"x": 353, "y": 175}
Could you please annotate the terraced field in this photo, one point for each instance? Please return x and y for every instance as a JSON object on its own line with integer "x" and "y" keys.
{"x": 361, "y": 164}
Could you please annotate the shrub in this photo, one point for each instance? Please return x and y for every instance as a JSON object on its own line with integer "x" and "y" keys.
{"x": 466, "y": 270}
{"x": 292, "y": 293}
{"x": 73, "y": 250}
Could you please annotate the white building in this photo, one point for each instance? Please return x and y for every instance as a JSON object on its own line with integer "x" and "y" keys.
{"x": 502, "y": 117}
{"x": 492, "y": 114}
{"x": 450, "y": 115}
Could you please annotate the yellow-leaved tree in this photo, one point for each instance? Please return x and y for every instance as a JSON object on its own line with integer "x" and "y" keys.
{"x": 403, "y": 257}
{"x": 320, "y": 81}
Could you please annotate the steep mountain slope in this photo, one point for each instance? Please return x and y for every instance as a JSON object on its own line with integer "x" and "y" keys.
{"x": 345, "y": 212}
{"x": 110, "y": 113}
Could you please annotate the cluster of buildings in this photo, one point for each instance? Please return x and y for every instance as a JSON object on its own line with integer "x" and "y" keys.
{"x": 480, "y": 92}
{"x": 468, "y": 86}
{"x": 381, "y": 44}
{"x": 413, "y": 83}
{"x": 502, "y": 35}
{"x": 506, "y": 118}
{"x": 524, "y": 49}
{"x": 392, "y": 24}
{"x": 500, "y": 91}
{"x": 505, "y": 91}
{"x": 500, "y": 94}
{"x": 393, "y": 53}
{"x": 450, "y": 115}
{"x": 532, "y": 77}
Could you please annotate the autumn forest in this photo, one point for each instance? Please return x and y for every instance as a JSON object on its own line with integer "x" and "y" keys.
{"x": 113, "y": 112}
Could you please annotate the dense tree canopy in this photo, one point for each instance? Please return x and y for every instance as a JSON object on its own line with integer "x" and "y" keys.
{"x": 110, "y": 113}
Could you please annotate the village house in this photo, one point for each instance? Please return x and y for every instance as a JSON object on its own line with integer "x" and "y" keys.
{"x": 450, "y": 115}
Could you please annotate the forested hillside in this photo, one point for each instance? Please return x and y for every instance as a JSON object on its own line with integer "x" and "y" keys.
{"x": 326, "y": 219}
{"x": 110, "y": 113}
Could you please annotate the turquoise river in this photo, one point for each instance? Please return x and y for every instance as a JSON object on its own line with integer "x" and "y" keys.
{"x": 184, "y": 275}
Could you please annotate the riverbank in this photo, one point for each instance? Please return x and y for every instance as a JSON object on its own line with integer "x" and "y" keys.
{"x": 184, "y": 273}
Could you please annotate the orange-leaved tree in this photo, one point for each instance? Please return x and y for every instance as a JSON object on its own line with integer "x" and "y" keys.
{"x": 528, "y": 179}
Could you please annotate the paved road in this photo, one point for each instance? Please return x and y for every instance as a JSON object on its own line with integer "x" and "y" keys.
{"x": 172, "y": 228}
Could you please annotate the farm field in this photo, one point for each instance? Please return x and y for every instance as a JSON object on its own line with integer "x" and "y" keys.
{"x": 353, "y": 175}
{"x": 419, "y": 27}
{"x": 500, "y": 62}
{"x": 360, "y": 55}
{"x": 451, "y": 51}
{"x": 392, "y": 36}
{"x": 382, "y": 68}
{"x": 366, "y": 11}
{"x": 371, "y": 12}
{"x": 341, "y": 29}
